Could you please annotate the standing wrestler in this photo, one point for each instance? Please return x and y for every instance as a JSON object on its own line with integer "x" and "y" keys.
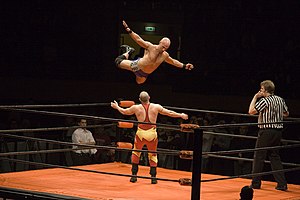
{"x": 154, "y": 55}
{"x": 271, "y": 109}
{"x": 146, "y": 133}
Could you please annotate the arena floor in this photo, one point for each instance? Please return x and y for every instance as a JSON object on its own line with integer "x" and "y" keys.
{"x": 87, "y": 185}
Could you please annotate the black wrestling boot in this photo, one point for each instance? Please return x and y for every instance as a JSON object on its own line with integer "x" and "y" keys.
{"x": 281, "y": 187}
{"x": 127, "y": 49}
{"x": 253, "y": 186}
{"x": 153, "y": 175}
{"x": 256, "y": 184}
{"x": 134, "y": 171}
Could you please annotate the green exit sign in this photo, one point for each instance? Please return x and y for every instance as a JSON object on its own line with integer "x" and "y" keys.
{"x": 150, "y": 28}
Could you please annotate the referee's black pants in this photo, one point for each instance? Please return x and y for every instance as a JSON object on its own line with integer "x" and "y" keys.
{"x": 267, "y": 138}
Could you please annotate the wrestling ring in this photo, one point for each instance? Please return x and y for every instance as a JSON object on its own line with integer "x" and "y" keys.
{"x": 110, "y": 180}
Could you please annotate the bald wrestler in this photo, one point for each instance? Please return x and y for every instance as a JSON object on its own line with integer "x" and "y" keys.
{"x": 146, "y": 133}
{"x": 154, "y": 55}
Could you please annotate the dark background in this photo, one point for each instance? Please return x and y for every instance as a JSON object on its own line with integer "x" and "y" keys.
{"x": 234, "y": 45}
{"x": 64, "y": 51}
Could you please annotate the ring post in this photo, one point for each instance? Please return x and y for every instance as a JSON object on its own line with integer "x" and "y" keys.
{"x": 197, "y": 157}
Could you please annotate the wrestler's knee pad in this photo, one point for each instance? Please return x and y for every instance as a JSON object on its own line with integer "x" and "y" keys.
{"x": 135, "y": 159}
{"x": 140, "y": 80}
{"x": 153, "y": 159}
{"x": 119, "y": 59}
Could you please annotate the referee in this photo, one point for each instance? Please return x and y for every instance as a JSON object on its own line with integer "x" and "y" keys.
{"x": 271, "y": 109}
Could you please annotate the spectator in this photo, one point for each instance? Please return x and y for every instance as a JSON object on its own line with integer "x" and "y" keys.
{"x": 82, "y": 136}
{"x": 246, "y": 193}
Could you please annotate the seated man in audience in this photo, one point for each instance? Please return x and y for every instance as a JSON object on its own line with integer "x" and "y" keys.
{"x": 82, "y": 136}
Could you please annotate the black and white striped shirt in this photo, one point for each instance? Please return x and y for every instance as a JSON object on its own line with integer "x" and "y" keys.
{"x": 270, "y": 110}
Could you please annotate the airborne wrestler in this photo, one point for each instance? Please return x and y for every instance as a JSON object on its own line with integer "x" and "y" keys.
{"x": 154, "y": 55}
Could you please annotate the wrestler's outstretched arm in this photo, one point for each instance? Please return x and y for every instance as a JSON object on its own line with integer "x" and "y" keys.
{"x": 136, "y": 37}
{"x": 178, "y": 64}
{"x": 124, "y": 111}
{"x": 171, "y": 113}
